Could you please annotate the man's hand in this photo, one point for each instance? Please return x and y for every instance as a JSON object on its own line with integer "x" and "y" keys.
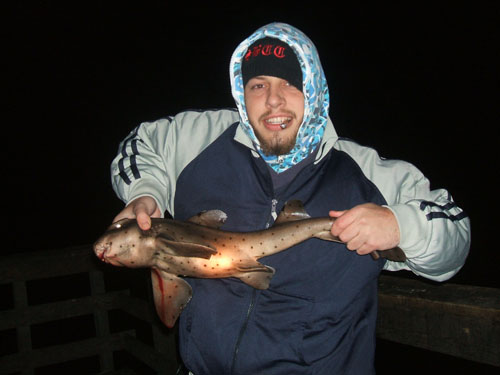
{"x": 366, "y": 228}
{"x": 142, "y": 208}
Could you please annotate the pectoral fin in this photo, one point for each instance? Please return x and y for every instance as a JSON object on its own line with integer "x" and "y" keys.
{"x": 171, "y": 294}
{"x": 184, "y": 249}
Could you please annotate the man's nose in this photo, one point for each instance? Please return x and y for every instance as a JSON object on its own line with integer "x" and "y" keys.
{"x": 275, "y": 97}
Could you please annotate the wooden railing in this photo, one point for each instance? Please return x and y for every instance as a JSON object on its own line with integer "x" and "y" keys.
{"x": 34, "y": 339}
{"x": 113, "y": 327}
{"x": 459, "y": 320}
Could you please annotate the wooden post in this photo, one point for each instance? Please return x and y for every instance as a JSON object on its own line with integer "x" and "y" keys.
{"x": 23, "y": 331}
{"x": 101, "y": 319}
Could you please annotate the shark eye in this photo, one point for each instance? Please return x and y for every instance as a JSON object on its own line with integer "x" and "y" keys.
{"x": 119, "y": 224}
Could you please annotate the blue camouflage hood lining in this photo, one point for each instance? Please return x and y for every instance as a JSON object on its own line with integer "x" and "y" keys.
{"x": 315, "y": 89}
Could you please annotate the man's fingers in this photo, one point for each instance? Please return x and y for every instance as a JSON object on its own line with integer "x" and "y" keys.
{"x": 333, "y": 213}
{"x": 142, "y": 209}
{"x": 343, "y": 220}
{"x": 143, "y": 220}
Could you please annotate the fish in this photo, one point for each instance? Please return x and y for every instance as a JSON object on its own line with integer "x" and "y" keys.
{"x": 174, "y": 249}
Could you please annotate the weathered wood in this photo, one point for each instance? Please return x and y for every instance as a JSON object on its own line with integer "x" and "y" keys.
{"x": 46, "y": 312}
{"x": 101, "y": 320}
{"x": 459, "y": 320}
{"x": 61, "y": 353}
{"x": 17, "y": 270}
{"x": 46, "y": 264}
{"x": 23, "y": 331}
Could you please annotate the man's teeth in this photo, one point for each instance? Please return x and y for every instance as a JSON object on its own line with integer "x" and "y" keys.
{"x": 278, "y": 120}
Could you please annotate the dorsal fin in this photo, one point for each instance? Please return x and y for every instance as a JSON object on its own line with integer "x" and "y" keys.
{"x": 212, "y": 218}
{"x": 292, "y": 211}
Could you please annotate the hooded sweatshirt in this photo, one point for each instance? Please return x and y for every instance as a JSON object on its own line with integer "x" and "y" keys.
{"x": 315, "y": 89}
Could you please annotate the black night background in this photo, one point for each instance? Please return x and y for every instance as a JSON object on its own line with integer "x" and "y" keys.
{"x": 417, "y": 82}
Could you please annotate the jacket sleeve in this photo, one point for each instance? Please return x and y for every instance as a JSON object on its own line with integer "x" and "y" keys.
{"x": 434, "y": 230}
{"x": 141, "y": 166}
{"x": 152, "y": 156}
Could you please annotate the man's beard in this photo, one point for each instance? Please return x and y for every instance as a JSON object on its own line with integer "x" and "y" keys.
{"x": 277, "y": 145}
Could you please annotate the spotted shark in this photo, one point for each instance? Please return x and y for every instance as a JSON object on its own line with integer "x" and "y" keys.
{"x": 199, "y": 248}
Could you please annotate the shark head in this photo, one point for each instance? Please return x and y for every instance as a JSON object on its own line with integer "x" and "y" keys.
{"x": 121, "y": 244}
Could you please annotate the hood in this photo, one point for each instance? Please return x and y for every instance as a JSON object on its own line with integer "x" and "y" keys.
{"x": 315, "y": 89}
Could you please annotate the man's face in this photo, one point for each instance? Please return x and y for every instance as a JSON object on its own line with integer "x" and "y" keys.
{"x": 270, "y": 102}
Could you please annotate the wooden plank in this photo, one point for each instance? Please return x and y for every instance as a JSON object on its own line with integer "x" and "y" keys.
{"x": 47, "y": 263}
{"x": 61, "y": 353}
{"x": 47, "y": 312}
{"x": 459, "y": 320}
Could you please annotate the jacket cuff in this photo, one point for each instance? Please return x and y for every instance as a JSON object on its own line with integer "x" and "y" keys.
{"x": 145, "y": 188}
{"x": 413, "y": 229}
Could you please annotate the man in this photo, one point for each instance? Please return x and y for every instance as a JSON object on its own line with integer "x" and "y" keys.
{"x": 318, "y": 315}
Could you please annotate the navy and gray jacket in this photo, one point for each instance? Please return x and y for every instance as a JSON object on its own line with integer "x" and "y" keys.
{"x": 318, "y": 315}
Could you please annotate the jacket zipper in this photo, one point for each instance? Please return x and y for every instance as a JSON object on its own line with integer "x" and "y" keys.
{"x": 243, "y": 329}
{"x": 272, "y": 218}
{"x": 274, "y": 214}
